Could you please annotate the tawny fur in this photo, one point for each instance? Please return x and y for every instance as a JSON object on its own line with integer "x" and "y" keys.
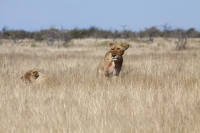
{"x": 35, "y": 76}
{"x": 112, "y": 63}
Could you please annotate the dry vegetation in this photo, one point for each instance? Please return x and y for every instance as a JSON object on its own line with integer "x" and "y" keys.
{"x": 158, "y": 89}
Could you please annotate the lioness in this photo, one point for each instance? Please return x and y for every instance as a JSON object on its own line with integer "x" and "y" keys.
{"x": 34, "y": 76}
{"x": 112, "y": 63}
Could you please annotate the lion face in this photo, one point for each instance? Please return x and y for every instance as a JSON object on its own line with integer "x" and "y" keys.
{"x": 35, "y": 74}
{"x": 117, "y": 50}
{"x": 30, "y": 75}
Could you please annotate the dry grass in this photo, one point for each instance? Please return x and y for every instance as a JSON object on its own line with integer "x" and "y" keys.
{"x": 158, "y": 90}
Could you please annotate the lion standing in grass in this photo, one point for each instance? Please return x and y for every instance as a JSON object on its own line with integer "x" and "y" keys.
{"x": 35, "y": 76}
{"x": 112, "y": 63}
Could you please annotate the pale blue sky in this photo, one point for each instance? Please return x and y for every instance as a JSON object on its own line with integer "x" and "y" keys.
{"x": 35, "y": 15}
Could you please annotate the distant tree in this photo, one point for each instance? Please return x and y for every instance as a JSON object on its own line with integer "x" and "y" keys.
{"x": 126, "y": 33}
{"x": 105, "y": 34}
{"x": 116, "y": 34}
{"x": 166, "y": 31}
{"x": 78, "y": 33}
{"x": 141, "y": 34}
{"x": 152, "y": 32}
{"x": 65, "y": 35}
{"x": 94, "y": 32}
{"x": 38, "y": 36}
{"x": 1, "y": 35}
{"x": 192, "y": 33}
{"x": 52, "y": 36}
{"x": 181, "y": 39}
{"x": 6, "y": 34}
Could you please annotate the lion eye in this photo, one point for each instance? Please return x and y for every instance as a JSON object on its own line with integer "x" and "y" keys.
{"x": 112, "y": 49}
{"x": 118, "y": 48}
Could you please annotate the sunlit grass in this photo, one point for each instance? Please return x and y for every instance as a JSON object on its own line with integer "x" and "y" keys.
{"x": 157, "y": 90}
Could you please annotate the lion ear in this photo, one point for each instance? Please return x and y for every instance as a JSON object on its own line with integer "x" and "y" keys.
{"x": 111, "y": 45}
{"x": 126, "y": 46}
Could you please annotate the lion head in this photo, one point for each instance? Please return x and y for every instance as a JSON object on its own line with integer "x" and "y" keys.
{"x": 117, "y": 50}
{"x": 34, "y": 76}
{"x": 30, "y": 75}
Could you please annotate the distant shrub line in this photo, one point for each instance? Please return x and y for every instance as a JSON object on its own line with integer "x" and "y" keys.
{"x": 53, "y": 35}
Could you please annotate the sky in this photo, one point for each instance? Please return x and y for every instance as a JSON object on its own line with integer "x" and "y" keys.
{"x": 135, "y": 15}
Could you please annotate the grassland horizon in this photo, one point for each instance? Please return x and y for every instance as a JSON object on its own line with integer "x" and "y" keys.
{"x": 158, "y": 89}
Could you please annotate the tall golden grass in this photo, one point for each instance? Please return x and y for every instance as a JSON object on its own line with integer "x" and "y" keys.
{"x": 158, "y": 90}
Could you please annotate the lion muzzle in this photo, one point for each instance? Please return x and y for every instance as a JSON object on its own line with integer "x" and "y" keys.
{"x": 114, "y": 59}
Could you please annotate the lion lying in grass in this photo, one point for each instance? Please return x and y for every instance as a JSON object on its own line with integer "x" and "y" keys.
{"x": 112, "y": 63}
{"x": 35, "y": 76}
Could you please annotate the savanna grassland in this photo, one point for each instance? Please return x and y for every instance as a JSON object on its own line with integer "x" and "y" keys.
{"x": 158, "y": 89}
